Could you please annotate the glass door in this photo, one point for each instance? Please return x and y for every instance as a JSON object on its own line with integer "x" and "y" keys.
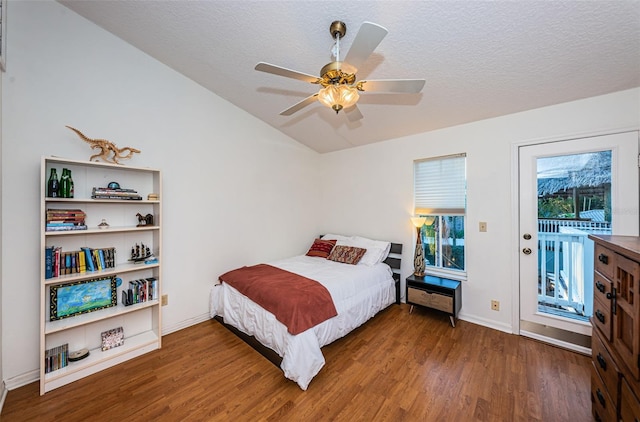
{"x": 568, "y": 190}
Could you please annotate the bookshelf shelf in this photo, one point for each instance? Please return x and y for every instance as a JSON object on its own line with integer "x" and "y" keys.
{"x": 120, "y": 269}
{"x": 141, "y": 322}
{"x": 101, "y": 231}
{"x": 96, "y": 201}
{"x": 83, "y": 319}
{"x": 133, "y": 346}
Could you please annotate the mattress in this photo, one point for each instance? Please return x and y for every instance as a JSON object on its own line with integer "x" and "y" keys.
{"x": 358, "y": 292}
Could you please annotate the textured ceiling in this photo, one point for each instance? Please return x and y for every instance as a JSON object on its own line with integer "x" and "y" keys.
{"x": 479, "y": 59}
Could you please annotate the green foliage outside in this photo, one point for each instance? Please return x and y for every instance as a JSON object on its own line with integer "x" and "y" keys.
{"x": 558, "y": 207}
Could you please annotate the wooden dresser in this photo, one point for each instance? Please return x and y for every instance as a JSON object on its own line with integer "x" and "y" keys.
{"x": 615, "y": 343}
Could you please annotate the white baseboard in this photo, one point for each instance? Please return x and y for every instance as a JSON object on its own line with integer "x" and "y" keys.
{"x": 507, "y": 328}
{"x": 32, "y": 376}
{"x": 22, "y": 380}
{"x": 185, "y": 324}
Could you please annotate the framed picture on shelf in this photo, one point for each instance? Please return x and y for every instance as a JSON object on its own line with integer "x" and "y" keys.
{"x": 67, "y": 300}
{"x": 3, "y": 35}
{"x": 112, "y": 338}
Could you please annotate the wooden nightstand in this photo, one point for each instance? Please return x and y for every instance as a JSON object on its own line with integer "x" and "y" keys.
{"x": 436, "y": 293}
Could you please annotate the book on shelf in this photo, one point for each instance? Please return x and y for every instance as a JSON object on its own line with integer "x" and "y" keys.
{"x": 64, "y": 227}
{"x": 56, "y": 358}
{"x": 57, "y": 218}
{"x": 58, "y": 262}
{"x": 89, "y": 259}
{"x": 48, "y": 262}
{"x": 140, "y": 291}
{"x": 108, "y": 193}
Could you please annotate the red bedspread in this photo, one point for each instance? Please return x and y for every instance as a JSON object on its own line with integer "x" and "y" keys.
{"x": 296, "y": 301}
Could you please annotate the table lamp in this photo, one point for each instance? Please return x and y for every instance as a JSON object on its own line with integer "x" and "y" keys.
{"x": 418, "y": 258}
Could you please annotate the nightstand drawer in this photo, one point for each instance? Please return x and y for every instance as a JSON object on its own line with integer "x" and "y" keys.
{"x": 432, "y": 300}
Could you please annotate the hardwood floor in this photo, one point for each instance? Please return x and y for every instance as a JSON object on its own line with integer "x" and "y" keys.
{"x": 397, "y": 367}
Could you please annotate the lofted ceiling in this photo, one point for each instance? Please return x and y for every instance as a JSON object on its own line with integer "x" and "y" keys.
{"x": 480, "y": 59}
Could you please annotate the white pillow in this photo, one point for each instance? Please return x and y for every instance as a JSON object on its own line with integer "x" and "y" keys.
{"x": 377, "y": 250}
{"x": 336, "y": 237}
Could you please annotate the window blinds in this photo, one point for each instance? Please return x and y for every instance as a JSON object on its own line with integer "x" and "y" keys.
{"x": 440, "y": 185}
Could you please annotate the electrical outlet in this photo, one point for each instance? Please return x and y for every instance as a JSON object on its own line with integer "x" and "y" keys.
{"x": 495, "y": 305}
{"x": 482, "y": 226}
{"x": 164, "y": 300}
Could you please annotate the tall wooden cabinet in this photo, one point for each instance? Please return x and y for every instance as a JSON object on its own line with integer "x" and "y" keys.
{"x": 615, "y": 379}
{"x": 141, "y": 322}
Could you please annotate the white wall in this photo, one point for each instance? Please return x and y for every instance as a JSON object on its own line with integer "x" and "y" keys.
{"x": 370, "y": 189}
{"x": 236, "y": 191}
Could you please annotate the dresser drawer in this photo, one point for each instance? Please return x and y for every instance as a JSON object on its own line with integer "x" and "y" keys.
{"x": 602, "y": 317}
{"x": 604, "y": 261}
{"x": 605, "y": 366}
{"x": 629, "y": 404}
{"x": 602, "y": 289}
{"x": 430, "y": 299}
{"x": 603, "y": 408}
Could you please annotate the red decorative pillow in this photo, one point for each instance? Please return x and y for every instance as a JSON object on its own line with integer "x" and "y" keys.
{"x": 321, "y": 248}
{"x": 346, "y": 254}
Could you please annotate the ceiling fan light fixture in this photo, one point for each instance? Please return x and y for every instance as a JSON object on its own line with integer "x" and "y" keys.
{"x": 338, "y": 96}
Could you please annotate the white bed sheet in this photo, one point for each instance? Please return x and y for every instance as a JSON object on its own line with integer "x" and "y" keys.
{"x": 358, "y": 293}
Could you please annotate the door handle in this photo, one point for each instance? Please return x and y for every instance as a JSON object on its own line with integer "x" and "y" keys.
{"x": 526, "y": 236}
{"x": 526, "y": 251}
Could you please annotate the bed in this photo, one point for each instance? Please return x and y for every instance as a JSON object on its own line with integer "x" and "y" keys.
{"x": 358, "y": 292}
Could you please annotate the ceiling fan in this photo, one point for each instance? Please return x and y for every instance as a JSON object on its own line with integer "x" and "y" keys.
{"x": 340, "y": 86}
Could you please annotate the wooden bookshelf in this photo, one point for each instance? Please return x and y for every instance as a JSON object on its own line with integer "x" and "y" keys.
{"x": 142, "y": 322}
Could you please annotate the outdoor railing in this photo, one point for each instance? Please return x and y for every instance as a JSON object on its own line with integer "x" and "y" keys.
{"x": 561, "y": 259}
{"x": 553, "y": 225}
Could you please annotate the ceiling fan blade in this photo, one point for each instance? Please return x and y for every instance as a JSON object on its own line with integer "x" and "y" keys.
{"x": 366, "y": 40}
{"x": 287, "y": 73}
{"x": 353, "y": 113}
{"x": 409, "y": 86}
{"x": 299, "y": 105}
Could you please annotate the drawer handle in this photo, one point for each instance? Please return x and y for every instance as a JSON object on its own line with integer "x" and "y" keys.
{"x": 601, "y": 399}
{"x": 600, "y": 286}
{"x": 602, "y": 362}
{"x": 600, "y": 316}
{"x": 603, "y": 258}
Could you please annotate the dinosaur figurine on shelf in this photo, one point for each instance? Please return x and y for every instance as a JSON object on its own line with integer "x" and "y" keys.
{"x": 109, "y": 152}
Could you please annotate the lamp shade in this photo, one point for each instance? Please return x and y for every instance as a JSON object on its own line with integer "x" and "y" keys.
{"x": 418, "y": 221}
{"x": 338, "y": 96}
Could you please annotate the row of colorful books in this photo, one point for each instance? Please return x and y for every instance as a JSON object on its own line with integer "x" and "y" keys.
{"x": 56, "y": 358}
{"x": 62, "y": 220}
{"x": 59, "y": 263}
{"x": 109, "y": 193}
{"x": 140, "y": 290}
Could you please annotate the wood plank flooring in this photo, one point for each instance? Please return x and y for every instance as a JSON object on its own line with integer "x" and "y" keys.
{"x": 397, "y": 367}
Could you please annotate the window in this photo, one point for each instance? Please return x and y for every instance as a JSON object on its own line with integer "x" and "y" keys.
{"x": 440, "y": 186}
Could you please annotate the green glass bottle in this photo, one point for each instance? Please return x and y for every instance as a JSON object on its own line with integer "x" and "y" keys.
{"x": 70, "y": 184}
{"x": 53, "y": 186}
{"x": 64, "y": 184}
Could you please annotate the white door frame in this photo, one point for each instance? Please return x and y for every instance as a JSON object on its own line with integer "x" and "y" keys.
{"x": 515, "y": 209}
